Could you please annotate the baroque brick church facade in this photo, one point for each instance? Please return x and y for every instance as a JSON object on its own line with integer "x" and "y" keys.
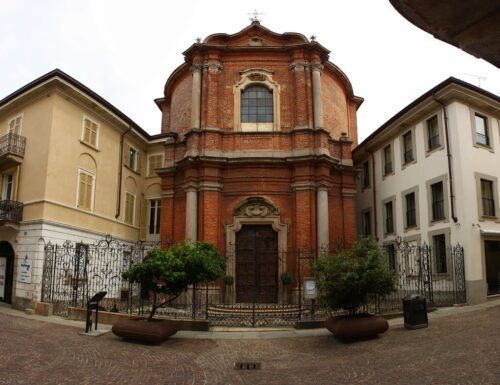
{"x": 260, "y": 128}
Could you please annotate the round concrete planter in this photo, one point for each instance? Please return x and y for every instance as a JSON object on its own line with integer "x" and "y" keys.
{"x": 357, "y": 326}
{"x": 148, "y": 332}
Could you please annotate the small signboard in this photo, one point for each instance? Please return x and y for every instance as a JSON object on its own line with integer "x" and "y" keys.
{"x": 309, "y": 288}
{"x": 24, "y": 270}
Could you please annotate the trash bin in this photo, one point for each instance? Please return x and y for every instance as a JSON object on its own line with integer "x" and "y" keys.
{"x": 415, "y": 311}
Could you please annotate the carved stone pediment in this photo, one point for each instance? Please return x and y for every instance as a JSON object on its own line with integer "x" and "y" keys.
{"x": 257, "y": 77}
{"x": 256, "y": 207}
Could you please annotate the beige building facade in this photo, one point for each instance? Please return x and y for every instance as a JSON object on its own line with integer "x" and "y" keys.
{"x": 430, "y": 174}
{"x": 75, "y": 168}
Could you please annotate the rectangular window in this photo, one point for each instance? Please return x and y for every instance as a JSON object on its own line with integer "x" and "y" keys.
{"x": 439, "y": 242}
{"x": 433, "y": 140}
{"x": 14, "y": 125}
{"x": 8, "y": 183}
{"x": 411, "y": 211}
{"x": 481, "y": 130}
{"x": 387, "y": 160}
{"x": 437, "y": 201}
{"x": 408, "y": 147}
{"x": 487, "y": 197}
{"x": 366, "y": 174}
{"x": 90, "y": 130}
{"x": 391, "y": 256}
{"x": 85, "y": 190}
{"x": 133, "y": 159}
{"x": 129, "y": 208}
{"x": 367, "y": 230}
{"x": 154, "y": 216}
{"x": 154, "y": 162}
{"x": 389, "y": 222}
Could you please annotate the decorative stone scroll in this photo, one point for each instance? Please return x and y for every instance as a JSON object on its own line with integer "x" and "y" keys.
{"x": 256, "y": 207}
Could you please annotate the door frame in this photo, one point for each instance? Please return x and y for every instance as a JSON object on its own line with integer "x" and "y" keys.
{"x": 7, "y": 251}
{"x": 255, "y": 211}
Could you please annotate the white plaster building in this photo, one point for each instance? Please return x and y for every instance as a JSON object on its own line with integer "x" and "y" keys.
{"x": 430, "y": 174}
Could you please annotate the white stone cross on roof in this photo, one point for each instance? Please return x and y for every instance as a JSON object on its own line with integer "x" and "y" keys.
{"x": 255, "y": 16}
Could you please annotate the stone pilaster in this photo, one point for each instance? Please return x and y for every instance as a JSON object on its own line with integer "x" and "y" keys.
{"x": 191, "y": 212}
{"x": 196, "y": 96}
{"x": 317, "y": 95}
{"x": 322, "y": 218}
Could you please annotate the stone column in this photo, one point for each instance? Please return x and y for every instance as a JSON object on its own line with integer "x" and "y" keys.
{"x": 196, "y": 96}
{"x": 322, "y": 227}
{"x": 317, "y": 95}
{"x": 191, "y": 213}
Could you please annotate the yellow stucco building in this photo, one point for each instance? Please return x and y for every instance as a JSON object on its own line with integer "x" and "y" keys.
{"x": 72, "y": 167}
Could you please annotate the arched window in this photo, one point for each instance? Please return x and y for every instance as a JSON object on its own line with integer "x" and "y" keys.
{"x": 256, "y": 101}
{"x": 257, "y": 105}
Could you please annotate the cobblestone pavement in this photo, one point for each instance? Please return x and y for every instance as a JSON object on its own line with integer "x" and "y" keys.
{"x": 459, "y": 349}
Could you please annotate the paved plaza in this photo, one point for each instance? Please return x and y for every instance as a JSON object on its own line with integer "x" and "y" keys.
{"x": 458, "y": 347}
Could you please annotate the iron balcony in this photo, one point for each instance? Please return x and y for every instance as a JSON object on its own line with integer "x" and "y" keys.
{"x": 11, "y": 211}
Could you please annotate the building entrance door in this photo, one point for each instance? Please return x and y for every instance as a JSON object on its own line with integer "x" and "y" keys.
{"x": 6, "y": 271}
{"x": 492, "y": 259}
{"x": 257, "y": 264}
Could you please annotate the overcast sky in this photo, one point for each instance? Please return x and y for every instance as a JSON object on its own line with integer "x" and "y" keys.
{"x": 125, "y": 50}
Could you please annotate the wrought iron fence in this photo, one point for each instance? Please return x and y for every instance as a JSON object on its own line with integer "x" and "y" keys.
{"x": 74, "y": 272}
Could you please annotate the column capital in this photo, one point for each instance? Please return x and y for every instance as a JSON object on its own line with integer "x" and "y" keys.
{"x": 190, "y": 186}
{"x": 299, "y": 65}
{"x": 213, "y": 66}
{"x": 196, "y": 67}
{"x": 210, "y": 186}
{"x": 300, "y": 186}
{"x": 317, "y": 67}
{"x": 323, "y": 186}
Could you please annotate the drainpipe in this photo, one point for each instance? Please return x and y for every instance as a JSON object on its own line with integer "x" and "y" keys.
{"x": 120, "y": 173}
{"x": 448, "y": 155}
{"x": 375, "y": 222}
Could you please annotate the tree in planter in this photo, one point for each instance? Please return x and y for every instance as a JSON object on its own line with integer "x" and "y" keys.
{"x": 347, "y": 278}
{"x": 170, "y": 272}
{"x": 286, "y": 280}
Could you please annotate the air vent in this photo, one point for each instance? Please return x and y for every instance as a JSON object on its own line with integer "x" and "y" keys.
{"x": 247, "y": 365}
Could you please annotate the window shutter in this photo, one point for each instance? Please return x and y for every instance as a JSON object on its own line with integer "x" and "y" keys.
{"x": 144, "y": 220}
{"x": 81, "y": 189}
{"x": 138, "y": 162}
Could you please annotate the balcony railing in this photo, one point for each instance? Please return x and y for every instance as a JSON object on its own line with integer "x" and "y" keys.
{"x": 11, "y": 211}
{"x": 12, "y": 144}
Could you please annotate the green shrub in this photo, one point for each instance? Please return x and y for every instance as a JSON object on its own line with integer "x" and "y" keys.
{"x": 347, "y": 278}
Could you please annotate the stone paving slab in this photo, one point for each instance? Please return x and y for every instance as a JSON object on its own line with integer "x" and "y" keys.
{"x": 458, "y": 347}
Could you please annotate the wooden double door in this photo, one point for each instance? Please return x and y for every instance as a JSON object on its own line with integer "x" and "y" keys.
{"x": 257, "y": 264}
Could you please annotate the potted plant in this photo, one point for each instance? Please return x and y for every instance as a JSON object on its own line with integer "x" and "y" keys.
{"x": 286, "y": 280}
{"x": 228, "y": 282}
{"x": 166, "y": 274}
{"x": 345, "y": 280}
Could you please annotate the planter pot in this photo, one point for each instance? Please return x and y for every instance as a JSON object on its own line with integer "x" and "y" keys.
{"x": 140, "y": 330}
{"x": 357, "y": 326}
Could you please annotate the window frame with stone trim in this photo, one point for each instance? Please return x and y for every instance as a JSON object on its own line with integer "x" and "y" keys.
{"x": 85, "y": 194}
{"x": 404, "y": 198}
{"x": 130, "y": 208}
{"x": 489, "y": 142}
{"x": 431, "y": 147}
{"x": 443, "y": 179}
{"x": 366, "y": 222}
{"x": 441, "y": 260}
{"x": 156, "y": 219}
{"x": 480, "y": 196}
{"x": 408, "y": 153}
{"x": 365, "y": 175}
{"x": 128, "y": 148}
{"x": 389, "y": 219}
{"x": 15, "y": 124}
{"x": 387, "y": 155}
{"x": 256, "y": 77}
{"x": 87, "y": 139}
{"x": 152, "y": 166}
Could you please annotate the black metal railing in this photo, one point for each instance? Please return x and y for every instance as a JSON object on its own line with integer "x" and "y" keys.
{"x": 387, "y": 168}
{"x": 11, "y": 211}
{"x": 74, "y": 272}
{"x": 482, "y": 139}
{"x": 12, "y": 144}
{"x": 408, "y": 155}
{"x": 433, "y": 142}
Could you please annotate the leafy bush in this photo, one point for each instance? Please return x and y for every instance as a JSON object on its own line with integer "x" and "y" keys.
{"x": 345, "y": 279}
{"x": 286, "y": 278}
{"x": 170, "y": 272}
